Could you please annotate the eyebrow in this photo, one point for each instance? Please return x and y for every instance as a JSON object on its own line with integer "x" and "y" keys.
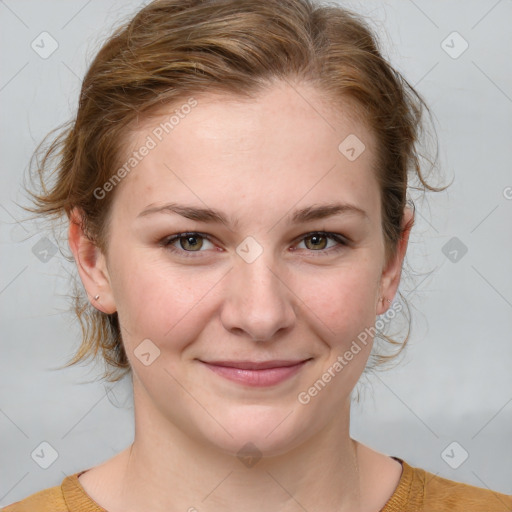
{"x": 209, "y": 215}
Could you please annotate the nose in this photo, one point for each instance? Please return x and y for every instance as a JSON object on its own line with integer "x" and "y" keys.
{"x": 259, "y": 302}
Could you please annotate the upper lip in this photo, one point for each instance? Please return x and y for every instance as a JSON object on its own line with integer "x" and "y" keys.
{"x": 257, "y": 365}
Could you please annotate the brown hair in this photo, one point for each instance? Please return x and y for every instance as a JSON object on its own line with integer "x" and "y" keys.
{"x": 172, "y": 49}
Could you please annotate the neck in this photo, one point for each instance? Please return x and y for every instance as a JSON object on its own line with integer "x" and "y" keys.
{"x": 165, "y": 469}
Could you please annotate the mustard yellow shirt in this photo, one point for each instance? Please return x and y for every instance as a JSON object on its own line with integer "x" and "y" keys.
{"x": 417, "y": 491}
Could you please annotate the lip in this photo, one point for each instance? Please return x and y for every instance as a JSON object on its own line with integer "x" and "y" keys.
{"x": 256, "y": 373}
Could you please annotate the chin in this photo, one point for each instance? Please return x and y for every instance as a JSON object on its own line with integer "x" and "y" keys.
{"x": 261, "y": 431}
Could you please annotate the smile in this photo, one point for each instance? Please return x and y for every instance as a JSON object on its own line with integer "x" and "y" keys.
{"x": 257, "y": 374}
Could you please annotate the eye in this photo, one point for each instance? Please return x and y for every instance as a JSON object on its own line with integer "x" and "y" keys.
{"x": 318, "y": 242}
{"x": 185, "y": 243}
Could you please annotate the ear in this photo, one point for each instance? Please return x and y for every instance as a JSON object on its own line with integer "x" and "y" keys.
{"x": 91, "y": 264}
{"x": 392, "y": 271}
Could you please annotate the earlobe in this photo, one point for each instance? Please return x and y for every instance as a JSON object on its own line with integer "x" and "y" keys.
{"x": 91, "y": 265}
{"x": 391, "y": 274}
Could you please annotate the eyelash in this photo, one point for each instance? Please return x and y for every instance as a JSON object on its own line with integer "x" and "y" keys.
{"x": 167, "y": 242}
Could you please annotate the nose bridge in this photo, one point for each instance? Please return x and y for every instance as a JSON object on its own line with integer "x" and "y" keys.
{"x": 258, "y": 303}
{"x": 261, "y": 278}
{"x": 255, "y": 264}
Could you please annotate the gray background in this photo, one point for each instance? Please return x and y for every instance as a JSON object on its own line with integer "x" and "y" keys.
{"x": 454, "y": 383}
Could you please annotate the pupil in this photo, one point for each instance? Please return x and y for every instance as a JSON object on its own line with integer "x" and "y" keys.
{"x": 191, "y": 241}
{"x": 316, "y": 240}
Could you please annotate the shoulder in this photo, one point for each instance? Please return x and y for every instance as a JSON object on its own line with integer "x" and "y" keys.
{"x": 47, "y": 500}
{"x": 457, "y": 496}
{"x": 440, "y": 494}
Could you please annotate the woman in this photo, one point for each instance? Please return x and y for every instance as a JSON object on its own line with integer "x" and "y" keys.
{"x": 236, "y": 186}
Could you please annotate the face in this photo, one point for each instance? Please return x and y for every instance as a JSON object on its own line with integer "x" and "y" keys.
{"x": 228, "y": 327}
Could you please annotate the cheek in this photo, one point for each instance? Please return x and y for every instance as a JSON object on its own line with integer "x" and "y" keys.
{"x": 155, "y": 299}
{"x": 166, "y": 301}
{"x": 342, "y": 300}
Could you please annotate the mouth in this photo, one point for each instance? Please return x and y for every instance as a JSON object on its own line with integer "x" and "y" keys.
{"x": 256, "y": 373}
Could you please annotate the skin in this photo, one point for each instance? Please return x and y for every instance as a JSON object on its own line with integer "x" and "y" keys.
{"x": 272, "y": 155}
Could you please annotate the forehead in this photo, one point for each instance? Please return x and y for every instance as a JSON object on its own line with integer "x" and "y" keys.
{"x": 285, "y": 145}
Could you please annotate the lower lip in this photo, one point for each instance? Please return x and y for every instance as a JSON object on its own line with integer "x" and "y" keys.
{"x": 256, "y": 378}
